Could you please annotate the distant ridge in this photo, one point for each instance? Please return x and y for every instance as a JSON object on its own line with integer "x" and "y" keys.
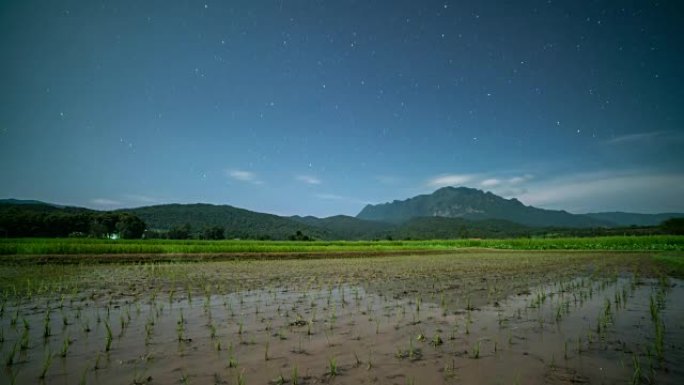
{"x": 346, "y": 227}
{"x": 25, "y": 202}
{"x": 449, "y": 212}
{"x": 633, "y": 219}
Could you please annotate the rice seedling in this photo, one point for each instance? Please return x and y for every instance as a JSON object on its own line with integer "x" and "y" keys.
{"x": 108, "y": 337}
{"x": 13, "y": 374}
{"x": 9, "y": 356}
{"x": 47, "y": 361}
{"x": 476, "y": 350}
{"x": 332, "y": 367}
{"x": 653, "y": 307}
{"x": 149, "y": 329}
{"x": 659, "y": 342}
{"x": 65, "y": 346}
{"x": 184, "y": 379}
{"x": 180, "y": 329}
{"x": 357, "y": 361}
{"x": 412, "y": 353}
{"x": 232, "y": 360}
{"x": 280, "y": 380}
{"x": 469, "y": 305}
{"x": 15, "y": 318}
{"x": 212, "y": 331}
{"x": 294, "y": 376}
{"x": 241, "y": 378}
{"x": 636, "y": 375}
{"x": 123, "y": 324}
{"x": 97, "y": 366}
{"x": 579, "y": 345}
{"x": 24, "y": 342}
{"x": 453, "y": 332}
{"x": 436, "y": 340}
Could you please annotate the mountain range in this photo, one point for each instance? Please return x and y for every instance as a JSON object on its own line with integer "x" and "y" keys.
{"x": 449, "y": 212}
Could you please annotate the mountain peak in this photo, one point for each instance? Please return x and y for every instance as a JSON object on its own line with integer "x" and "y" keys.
{"x": 459, "y": 189}
{"x": 471, "y": 203}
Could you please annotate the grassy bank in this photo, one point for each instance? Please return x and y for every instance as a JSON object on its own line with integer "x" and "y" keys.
{"x": 33, "y": 246}
{"x": 673, "y": 264}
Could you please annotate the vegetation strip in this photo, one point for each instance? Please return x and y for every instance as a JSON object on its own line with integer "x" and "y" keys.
{"x": 208, "y": 257}
{"x": 63, "y": 246}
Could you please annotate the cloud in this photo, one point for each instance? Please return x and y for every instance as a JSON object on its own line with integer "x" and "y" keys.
{"x": 105, "y": 202}
{"x": 639, "y": 137}
{"x": 244, "y": 176}
{"x": 449, "y": 180}
{"x": 520, "y": 179}
{"x": 308, "y": 179}
{"x": 507, "y": 186}
{"x": 503, "y": 185}
{"x": 335, "y": 197}
{"x": 634, "y": 191}
{"x": 136, "y": 198}
{"x": 492, "y": 182}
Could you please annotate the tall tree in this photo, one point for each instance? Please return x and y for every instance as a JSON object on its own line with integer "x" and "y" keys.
{"x": 129, "y": 226}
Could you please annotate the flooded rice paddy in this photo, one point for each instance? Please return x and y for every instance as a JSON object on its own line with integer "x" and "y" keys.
{"x": 489, "y": 318}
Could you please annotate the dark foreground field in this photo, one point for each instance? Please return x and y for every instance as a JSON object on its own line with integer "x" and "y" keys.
{"x": 498, "y": 317}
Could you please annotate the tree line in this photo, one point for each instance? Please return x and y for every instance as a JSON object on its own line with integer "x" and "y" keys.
{"x": 29, "y": 223}
{"x": 186, "y": 232}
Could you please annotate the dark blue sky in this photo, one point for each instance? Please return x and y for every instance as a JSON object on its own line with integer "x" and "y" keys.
{"x": 318, "y": 107}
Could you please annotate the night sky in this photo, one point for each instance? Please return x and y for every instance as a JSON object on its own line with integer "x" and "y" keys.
{"x": 319, "y": 107}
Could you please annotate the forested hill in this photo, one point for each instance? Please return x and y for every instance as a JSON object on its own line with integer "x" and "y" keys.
{"x": 237, "y": 222}
{"x": 38, "y": 219}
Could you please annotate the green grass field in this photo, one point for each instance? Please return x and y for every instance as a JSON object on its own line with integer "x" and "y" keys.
{"x": 33, "y": 246}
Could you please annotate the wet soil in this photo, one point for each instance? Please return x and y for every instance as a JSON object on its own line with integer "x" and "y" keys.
{"x": 443, "y": 319}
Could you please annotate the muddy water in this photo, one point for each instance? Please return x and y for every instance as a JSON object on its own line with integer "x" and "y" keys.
{"x": 580, "y": 330}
